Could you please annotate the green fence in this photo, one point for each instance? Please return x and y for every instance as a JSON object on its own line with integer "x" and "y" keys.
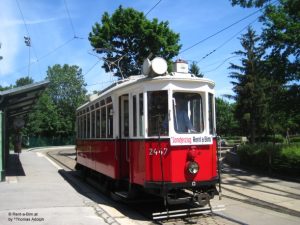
{"x": 39, "y": 141}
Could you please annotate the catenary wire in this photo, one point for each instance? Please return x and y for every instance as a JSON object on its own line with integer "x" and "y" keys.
{"x": 225, "y": 28}
{"x": 153, "y": 7}
{"x": 28, "y": 35}
{"x": 228, "y": 40}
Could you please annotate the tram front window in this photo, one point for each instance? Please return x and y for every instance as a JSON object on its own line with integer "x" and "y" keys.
{"x": 187, "y": 112}
{"x": 158, "y": 113}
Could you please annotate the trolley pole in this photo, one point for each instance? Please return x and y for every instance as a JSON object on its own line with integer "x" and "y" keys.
{"x": 1, "y": 148}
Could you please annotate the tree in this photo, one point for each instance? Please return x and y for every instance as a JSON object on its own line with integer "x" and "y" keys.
{"x": 24, "y": 81}
{"x": 55, "y": 112}
{"x": 281, "y": 41}
{"x": 281, "y": 34}
{"x": 194, "y": 69}
{"x": 226, "y": 122}
{"x": 250, "y": 85}
{"x": 126, "y": 38}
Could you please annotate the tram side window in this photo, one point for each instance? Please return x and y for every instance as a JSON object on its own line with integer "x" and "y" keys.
{"x": 211, "y": 113}
{"x": 141, "y": 114}
{"x": 88, "y": 116}
{"x": 84, "y": 126}
{"x": 157, "y": 113}
{"x": 110, "y": 121}
{"x": 103, "y": 122}
{"x": 93, "y": 123}
{"x": 134, "y": 116}
{"x": 98, "y": 123}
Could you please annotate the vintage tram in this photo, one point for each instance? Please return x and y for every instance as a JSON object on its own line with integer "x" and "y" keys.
{"x": 153, "y": 132}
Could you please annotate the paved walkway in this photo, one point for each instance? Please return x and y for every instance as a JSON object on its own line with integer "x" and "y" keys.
{"x": 283, "y": 195}
{"x": 34, "y": 191}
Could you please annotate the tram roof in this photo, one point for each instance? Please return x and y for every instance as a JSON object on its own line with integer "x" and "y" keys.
{"x": 135, "y": 79}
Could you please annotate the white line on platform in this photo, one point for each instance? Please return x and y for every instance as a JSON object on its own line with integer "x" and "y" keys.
{"x": 51, "y": 161}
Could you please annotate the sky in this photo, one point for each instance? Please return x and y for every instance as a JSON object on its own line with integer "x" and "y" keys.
{"x": 59, "y": 31}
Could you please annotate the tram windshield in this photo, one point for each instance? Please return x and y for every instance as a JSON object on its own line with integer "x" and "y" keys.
{"x": 188, "y": 112}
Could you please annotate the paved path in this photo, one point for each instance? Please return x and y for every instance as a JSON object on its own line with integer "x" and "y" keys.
{"x": 34, "y": 191}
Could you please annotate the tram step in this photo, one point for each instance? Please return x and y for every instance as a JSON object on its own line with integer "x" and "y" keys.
{"x": 122, "y": 194}
{"x": 186, "y": 212}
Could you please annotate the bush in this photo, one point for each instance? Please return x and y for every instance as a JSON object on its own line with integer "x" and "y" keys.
{"x": 283, "y": 158}
{"x": 257, "y": 155}
{"x": 295, "y": 139}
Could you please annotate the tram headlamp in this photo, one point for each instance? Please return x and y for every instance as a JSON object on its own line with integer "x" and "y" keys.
{"x": 193, "y": 167}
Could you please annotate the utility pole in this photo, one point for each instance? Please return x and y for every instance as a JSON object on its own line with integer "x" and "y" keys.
{"x": 1, "y": 57}
{"x": 28, "y": 44}
{"x": 1, "y": 149}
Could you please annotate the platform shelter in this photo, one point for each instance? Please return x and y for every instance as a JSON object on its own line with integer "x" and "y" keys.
{"x": 15, "y": 104}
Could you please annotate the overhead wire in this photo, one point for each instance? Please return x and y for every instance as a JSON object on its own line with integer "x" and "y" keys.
{"x": 217, "y": 67}
{"x": 225, "y": 28}
{"x": 56, "y": 48}
{"x": 28, "y": 36}
{"x": 153, "y": 7}
{"x": 228, "y": 40}
{"x": 70, "y": 19}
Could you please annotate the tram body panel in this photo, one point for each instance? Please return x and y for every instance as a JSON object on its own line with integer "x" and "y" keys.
{"x": 174, "y": 162}
{"x": 137, "y": 161}
{"x": 99, "y": 156}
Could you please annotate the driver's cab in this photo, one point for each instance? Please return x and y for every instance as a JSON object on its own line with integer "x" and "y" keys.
{"x": 180, "y": 113}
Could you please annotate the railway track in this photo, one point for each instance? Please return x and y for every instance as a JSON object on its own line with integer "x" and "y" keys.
{"x": 195, "y": 216}
{"x": 65, "y": 159}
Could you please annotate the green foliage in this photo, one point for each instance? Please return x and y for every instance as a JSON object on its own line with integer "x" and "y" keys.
{"x": 194, "y": 69}
{"x": 280, "y": 40}
{"x": 126, "y": 38}
{"x": 295, "y": 139}
{"x": 24, "y": 81}
{"x": 54, "y": 114}
{"x": 250, "y": 86}
{"x": 283, "y": 159}
{"x": 249, "y": 3}
{"x": 226, "y": 123}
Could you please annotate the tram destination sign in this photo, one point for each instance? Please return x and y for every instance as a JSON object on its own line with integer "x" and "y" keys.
{"x": 192, "y": 140}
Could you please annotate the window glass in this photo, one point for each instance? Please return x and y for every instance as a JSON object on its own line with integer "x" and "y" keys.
{"x": 141, "y": 114}
{"x": 125, "y": 118}
{"x": 134, "y": 116}
{"x": 108, "y": 100}
{"x": 93, "y": 124}
{"x": 88, "y": 125}
{"x": 110, "y": 121}
{"x": 157, "y": 113}
{"x": 83, "y": 122}
{"x": 211, "y": 113}
{"x": 98, "y": 123}
{"x": 187, "y": 112}
{"x": 103, "y": 122}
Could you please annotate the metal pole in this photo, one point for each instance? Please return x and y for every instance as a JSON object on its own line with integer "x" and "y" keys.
{"x": 1, "y": 149}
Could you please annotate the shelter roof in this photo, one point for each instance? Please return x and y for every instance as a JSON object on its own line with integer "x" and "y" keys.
{"x": 19, "y": 101}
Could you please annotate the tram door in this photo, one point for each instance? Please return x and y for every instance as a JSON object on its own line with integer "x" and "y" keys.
{"x": 124, "y": 136}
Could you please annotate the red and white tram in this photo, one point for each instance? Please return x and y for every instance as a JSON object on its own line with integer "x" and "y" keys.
{"x": 154, "y": 132}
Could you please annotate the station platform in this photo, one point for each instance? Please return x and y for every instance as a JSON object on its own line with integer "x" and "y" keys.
{"x": 35, "y": 191}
